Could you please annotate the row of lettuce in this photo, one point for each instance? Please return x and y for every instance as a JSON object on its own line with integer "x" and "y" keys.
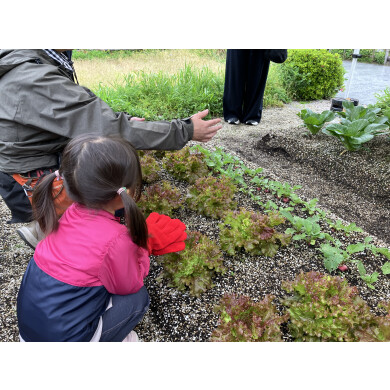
{"x": 213, "y": 178}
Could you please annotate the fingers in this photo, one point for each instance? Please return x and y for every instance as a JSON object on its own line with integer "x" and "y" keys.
{"x": 201, "y": 114}
{"x": 213, "y": 122}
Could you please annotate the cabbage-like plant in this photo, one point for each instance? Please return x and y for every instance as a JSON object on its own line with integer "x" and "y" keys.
{"x": 242, "y": 319}
{"x": 352, "y": 113}
{"x": 211, "y": 196}
{"x": 354, "y": 134}
{"x": 313, "y": 121}
{"x": 253, "y": 232}
{"x": 195, "y": 266}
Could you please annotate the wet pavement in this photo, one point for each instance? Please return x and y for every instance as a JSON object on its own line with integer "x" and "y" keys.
{"x": 367, "y": 80}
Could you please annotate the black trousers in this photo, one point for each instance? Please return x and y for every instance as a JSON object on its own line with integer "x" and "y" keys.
{"x": 245, "y": 79}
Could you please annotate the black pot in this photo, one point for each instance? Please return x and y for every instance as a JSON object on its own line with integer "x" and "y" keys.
{"x": 337, "y": 103}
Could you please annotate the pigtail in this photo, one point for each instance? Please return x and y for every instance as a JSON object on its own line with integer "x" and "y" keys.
{"x": 135, "y": 221}
{"x": 44, "y": 211}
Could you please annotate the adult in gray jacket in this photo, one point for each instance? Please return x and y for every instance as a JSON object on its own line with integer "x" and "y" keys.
{"x": 41, "y": 108}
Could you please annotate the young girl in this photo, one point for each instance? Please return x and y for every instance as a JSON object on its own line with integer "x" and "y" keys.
{"x": 85, "y": 280}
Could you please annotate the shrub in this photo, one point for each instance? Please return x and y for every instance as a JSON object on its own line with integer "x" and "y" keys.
{"x": 245, "y": 320}
{"x": 161, "y": 198}
{"x": 312, "y": 74}
{"x": 252, "y": 232}
{"x": 326, "y": 308}
{"x": 186, "y": 164}
{"x": 195, "y": 266}
{"x": 212, "y": 197}
{"x": 150, "y": 168}
{"x": 383, "y": 99}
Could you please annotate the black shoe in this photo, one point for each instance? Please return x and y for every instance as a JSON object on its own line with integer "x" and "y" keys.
{"x": 233, "y": 121}
{"x": 251, "y": 122}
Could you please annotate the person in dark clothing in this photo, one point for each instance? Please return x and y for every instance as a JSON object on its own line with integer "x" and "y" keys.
{"x": 245, "y": 79}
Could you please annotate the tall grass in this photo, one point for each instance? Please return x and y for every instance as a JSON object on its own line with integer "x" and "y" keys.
{"x": 156, "y": 96}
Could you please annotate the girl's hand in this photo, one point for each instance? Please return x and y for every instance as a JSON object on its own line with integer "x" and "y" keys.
{"x": 135, "y": 118}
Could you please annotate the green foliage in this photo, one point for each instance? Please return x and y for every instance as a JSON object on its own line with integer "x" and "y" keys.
{"x": 370, "y": 279}
{"x": 354, "y": 134}
{"x": 338, "y": 225}
{"x": 383, "y": 99}
{"x": 352, "y": 113}
{"x": 150, "y": 168}
{"x": 311, "y": 74}
{"x": 83, "y": 54}
{"x": 282, "y": 189}
{"x": 195, "y": 266}
{"x": 275, "y": 94}
{"x": 252, "y": 232}
{"x": 161, "y": 198}
{"x": 313, "y": 121}
{"x": 346, "y": 54}
{"x": 211, "y": 196}
{"x": 244, "y": 320}
{"x": 304, "y": 228}
{"x": 186, "y": 164}
{"x": 326, "y": 308}
{"x": 156, "y": 96}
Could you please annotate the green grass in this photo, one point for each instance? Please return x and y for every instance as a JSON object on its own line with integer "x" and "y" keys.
{"x": 83, "y": 54}
{"x": 157, "y": 96}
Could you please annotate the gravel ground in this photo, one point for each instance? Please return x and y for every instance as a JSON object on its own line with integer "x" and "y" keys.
{"x": 286, "y": 154}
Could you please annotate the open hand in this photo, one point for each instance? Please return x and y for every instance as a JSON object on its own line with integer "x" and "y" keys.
{"x": 204, "y": 130}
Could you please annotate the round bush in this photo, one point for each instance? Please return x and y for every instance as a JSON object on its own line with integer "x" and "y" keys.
{"x": 312, "y": 74}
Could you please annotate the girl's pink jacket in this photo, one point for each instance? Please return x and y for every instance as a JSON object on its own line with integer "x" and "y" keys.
{"x": 90, "y": 248}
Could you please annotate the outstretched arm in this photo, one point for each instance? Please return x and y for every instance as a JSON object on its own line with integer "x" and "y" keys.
{"x": 204, "y": 130}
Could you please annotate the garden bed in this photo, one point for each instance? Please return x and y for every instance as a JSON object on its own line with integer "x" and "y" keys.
{"x": 280, "y": 148}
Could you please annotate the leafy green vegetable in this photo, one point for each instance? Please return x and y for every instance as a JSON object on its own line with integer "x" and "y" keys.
{"x": 212, "y": 197}
{"x": 252, "y": 232}
{"x": 160, "y": 197}
{"x": 195, "y": 266}
{"x": 326, "y": 308}
{"x": 354, "y": 134}
{"x": 313, "y": 121}
{"x": 244, "y": 320}
{"x": 186, "y": 164}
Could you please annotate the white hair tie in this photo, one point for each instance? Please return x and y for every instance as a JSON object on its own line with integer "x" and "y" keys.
{"x": 121, "y": 190}
{"x": 57, "y": 173}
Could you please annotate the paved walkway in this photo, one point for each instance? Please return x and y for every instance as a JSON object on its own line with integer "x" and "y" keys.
{"x": 367, "y": 80}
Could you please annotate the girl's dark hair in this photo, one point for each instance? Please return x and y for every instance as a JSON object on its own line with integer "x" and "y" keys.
{"x": 94, "y": 168}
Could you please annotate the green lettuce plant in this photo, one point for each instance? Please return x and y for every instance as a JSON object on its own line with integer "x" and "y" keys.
{"x": 326, "y": 308}
{"x": 160, "y": 197}
{"x": 253, "y": 232}
{"x": 242, "y": 319}
{"x": 186, "y": 165}
{"x": 211, "y": 196}
{"x": 195, "y": 266}
{"x": 305, "y": 228}
{"x": 313, "y": 121}
{"x": 150, "y": 168}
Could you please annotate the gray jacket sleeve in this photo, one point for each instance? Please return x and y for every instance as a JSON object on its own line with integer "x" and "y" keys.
{"x": 57, "y": 105}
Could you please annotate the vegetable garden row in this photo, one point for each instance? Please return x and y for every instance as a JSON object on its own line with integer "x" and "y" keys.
{"x": 314, "y": 306}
